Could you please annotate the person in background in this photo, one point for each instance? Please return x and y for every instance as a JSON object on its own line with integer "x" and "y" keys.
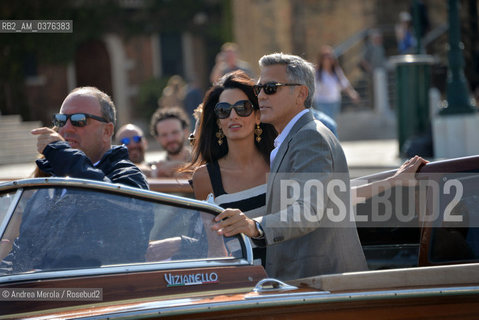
{"x": 326, "y": 120}
{"x": 227, "y": 61}
{"x": 374, "y": 56}
{"x": 174, "y": 93}
{"x": 193, "y": 98}
{"x": 330, "y": 81}
{"x": 373, "y": 64}
{"x": 170, "y": 127}
{"x": 133, "y": 138}
{"x": 406, "y": 41}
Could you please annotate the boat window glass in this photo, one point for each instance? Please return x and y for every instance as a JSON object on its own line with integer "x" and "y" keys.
{"x": 390, "y": 239}
{"x": 6, "y": 200}
{"x": 75, "y": 228}
{"x": 456, "y": 238}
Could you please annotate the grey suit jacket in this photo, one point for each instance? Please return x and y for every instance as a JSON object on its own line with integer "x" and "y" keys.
{"x": 305, "y": 230}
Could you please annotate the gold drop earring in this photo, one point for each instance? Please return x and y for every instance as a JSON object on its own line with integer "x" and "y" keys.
{"x": 258, "y": 131}
{"x": 220, "y": 135}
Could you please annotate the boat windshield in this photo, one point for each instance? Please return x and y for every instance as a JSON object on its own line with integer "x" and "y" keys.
{"x": 64, "y": 228}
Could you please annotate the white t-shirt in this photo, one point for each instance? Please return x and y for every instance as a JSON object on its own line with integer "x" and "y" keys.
{"x": 329, "y": 88}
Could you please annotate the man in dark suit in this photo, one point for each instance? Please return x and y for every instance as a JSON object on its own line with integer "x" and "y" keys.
{"x": 307, "y": 226}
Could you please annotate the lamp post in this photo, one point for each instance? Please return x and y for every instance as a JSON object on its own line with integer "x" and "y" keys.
{"x": 457, "y": 92}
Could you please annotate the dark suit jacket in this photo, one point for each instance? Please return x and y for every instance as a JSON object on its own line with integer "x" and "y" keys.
{"x": 302, "y": 241}
{"x": 61, "y": 160}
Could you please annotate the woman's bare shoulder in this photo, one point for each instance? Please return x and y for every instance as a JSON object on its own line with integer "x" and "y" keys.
{"x": 200, "y": 172}
{"x": 201, "y": 183}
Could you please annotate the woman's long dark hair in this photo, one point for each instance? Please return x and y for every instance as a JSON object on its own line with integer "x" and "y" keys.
{"x": 206, "y": 148}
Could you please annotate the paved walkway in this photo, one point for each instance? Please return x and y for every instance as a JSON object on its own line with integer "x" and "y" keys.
{"x": 364, "y": 157}
{"x": 370, "y": 156}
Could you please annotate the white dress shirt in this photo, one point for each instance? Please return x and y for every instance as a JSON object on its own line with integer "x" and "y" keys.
{"x": 280, "y": 138}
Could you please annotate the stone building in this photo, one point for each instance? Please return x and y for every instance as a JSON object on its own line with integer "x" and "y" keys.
{"x": 120, "y": 64}
{"x": 115, "y": 64}
{"x": 302, "y": 26}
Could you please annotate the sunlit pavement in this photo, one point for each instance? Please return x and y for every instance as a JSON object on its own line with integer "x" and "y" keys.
{"x": 370, "y": 156}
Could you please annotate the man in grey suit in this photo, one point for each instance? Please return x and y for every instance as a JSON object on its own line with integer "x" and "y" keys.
{"x": 307, "y": 226}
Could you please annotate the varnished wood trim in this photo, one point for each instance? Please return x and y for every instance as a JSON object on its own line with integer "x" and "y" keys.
{"x": 134, "y": 286}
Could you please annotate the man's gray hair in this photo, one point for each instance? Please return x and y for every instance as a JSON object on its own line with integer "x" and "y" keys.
{"x": 108, "y": 110}
{"x": 298, "y": 70}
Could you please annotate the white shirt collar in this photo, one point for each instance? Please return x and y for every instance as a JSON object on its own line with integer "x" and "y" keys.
{"x": 280, "y": 138}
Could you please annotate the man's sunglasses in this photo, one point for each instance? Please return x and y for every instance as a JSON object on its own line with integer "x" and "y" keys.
{"x": 191, "y": 139}
{"x": 126, "y": 141}
{"x": 271, "y": 87}
{"x": 243, "y": 108}
{"x": 76, "y": 119}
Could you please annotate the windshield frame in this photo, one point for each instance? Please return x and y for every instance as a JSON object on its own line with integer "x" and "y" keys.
{"x": 39, "y": 183}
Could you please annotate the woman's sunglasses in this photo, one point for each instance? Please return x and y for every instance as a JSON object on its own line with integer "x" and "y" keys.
{"x": 243, "y": 108}
{"x": 271, "y": 87}
{"x": 126, "y": 141}
{"x": 76, "y": 119}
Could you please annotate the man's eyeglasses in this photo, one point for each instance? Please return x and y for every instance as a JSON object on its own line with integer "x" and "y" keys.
{"x": 271, "y": 87}
{"x": 76, "y": 119}
{"x": 126, "y": 141}
{"x": 243, "y": 108}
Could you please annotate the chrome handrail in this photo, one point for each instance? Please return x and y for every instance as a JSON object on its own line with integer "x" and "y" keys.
{"x": 276, "y": 284}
